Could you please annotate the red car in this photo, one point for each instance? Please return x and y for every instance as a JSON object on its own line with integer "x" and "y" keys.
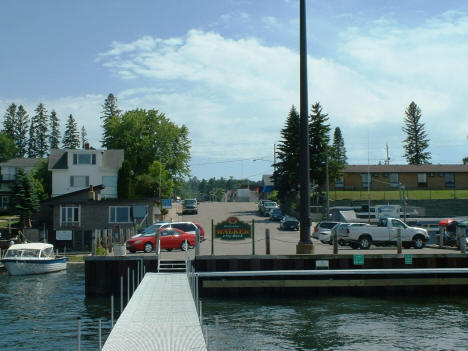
{"x": 170, "y": 238}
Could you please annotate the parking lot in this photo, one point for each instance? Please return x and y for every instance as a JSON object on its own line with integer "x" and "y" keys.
{"x": 282, "y": 242}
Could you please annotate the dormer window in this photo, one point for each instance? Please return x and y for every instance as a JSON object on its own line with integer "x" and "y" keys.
{"x": 84, "y": 159}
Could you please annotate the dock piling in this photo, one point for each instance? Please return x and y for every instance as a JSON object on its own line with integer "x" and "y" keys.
{"x": 100, "y": 335}
{"x": 79, "y": 333}
{"x": 267, "y": 241}
{"x": 112, "y": 311}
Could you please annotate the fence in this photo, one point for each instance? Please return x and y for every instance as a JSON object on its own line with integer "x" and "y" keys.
{"x": 411, "y": 194}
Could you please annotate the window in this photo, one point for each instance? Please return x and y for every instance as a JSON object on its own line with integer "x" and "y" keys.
{"x": 449, "y": 180}
{"x": 422, "y": 179}
{"x": 109, "y": 181}
{"x": 119, "y": 214}
{"x": 4, "y": 202}
{"x": 385, "y": 175}
{"x": 393, "y": 180}
{"x": 84, "y": 159}
{"x": 339, "y": 182}
{"x": 79, "y": 181}
{"x": 366, "y": 181}
{"x": 70, "y": 214}
{"x": 375, "y": 175}
{"x": 431, "y": 174}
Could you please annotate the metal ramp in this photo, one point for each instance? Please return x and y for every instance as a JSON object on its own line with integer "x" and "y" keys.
{"x": 161, "y": 316}
{"x": 172, "y": 266}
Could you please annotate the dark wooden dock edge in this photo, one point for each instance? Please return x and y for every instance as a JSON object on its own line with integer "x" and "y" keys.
{"x": 102, "y": 275}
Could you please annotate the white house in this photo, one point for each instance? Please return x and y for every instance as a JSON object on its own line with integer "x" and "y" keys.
{"x": 73, "y": 170}
{"x": 8, "y": 176}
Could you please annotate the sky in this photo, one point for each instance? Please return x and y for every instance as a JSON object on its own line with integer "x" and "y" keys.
{"x": 229, "y": 71}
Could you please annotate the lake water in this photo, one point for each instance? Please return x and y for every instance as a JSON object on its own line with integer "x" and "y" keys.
{"x": 40, "y": 313}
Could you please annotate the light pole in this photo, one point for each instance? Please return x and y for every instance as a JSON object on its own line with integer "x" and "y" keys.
{"x": 305, "y": 245}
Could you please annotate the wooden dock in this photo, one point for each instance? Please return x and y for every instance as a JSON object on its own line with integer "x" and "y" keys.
{"x": 161, "y": 315}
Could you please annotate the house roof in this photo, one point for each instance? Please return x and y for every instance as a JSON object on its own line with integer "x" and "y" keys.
{"x": 453, "y": 168}
{"x": 59, "y": 198}
{"x": 22, "y": 162}
{"x": 111, "y": 159}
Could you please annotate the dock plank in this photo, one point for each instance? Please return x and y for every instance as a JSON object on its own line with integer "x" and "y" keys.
{"x": 161, "y": 315}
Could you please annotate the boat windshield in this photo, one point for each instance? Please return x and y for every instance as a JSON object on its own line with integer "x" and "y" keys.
{"x": 49, "y": 252}
{"x": 28, "y": 253}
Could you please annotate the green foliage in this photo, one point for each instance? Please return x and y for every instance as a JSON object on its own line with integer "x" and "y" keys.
{"x": 319, "y": 138}
{"x": 71, "y": 136}
{"x": 8, "y": 148}
{"x": 212, "y": 189}
{"x": 84, "y": 137}
{"x": 338, "y": 150}
{"x": 286, "y": 174}
{"x": 9, "y": 122}
{"x": 43, "y": 177}
{"x": 54, "y": 136}
{"x": 124, "y": 181}
{"x": 24, "y": 200}
{"x": 465, "y": 160}
{"x": 416, "y": 141}
{"x": 21, "y": 131}
{"x": 38, "y": 143}
{"x": 147, "y": 136}
{"x": 110, "y": 115}
{"x": 100, "y": 251}
{"x": 157, "y": 181}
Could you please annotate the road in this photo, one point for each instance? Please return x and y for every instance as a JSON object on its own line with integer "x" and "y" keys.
{"x": 282, "y": 242}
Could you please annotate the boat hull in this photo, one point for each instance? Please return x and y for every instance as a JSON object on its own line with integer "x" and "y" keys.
{"x": 25, "y": 267}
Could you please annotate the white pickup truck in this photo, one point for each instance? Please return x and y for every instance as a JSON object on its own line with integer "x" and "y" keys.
{"x": 384, "y": 234}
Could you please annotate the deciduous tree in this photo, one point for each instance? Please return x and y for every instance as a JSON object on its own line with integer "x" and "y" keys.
{"x": 7, "y": 147}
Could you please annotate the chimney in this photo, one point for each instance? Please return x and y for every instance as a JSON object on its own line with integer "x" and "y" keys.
{"x": 91, "y": 194}
{"x": 86, "y": 146}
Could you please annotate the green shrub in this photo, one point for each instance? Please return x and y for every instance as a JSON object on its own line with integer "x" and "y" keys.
{"x": 100, "y": 251}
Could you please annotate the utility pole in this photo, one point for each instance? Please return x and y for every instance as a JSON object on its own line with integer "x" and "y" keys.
{"x": 327, "y": 187}
{"x": 305, "y": 245}
{"x": 387, "y": 160}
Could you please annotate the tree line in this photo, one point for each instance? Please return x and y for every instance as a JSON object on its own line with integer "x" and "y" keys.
{"x": 34, "y": 137}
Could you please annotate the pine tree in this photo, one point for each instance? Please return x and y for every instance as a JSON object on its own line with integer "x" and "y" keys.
{"x": 338, "y": 150}
{"x": 54, "y": 136}
{"x": 9, "y": 121}
{"x": 319, "y": 138}
{"x": 286, "y": 174}
{"x": 24, "y": 200}
{"x": 42, "y": 144}
{"x": 71, "y": 136}
{"x": 32, "y": 148}
{"x": 21, "y": 130}
{"x": 416, "y": 141}
{"x": 109, "y": 112}
{"x": 84, "y": 138}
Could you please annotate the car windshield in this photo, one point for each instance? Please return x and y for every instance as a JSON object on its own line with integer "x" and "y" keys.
{"x": 270, "y": 203}
{"x": 190, "y": 202}
{"x": 328, "y": 225}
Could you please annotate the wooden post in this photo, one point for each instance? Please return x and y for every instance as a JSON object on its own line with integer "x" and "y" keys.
{"x": 212, "y": 237}
{"x": 104, "y": 239}
{"x": 399, "y": 240}
{"x": 267, "y": 241}
{"x": 253, "y": 237}
{"x": 334, "y": 237}
{"x": 93, "y": 243}
{"x": 441, "y": 236}
{"x": 197, "y": 242}
{"x": 111, "y": 239}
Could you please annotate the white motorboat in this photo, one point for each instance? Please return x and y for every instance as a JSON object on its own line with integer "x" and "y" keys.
{"x": 32, "y": 258}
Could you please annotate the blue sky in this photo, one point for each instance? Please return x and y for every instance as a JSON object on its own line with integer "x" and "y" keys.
{"x": 228, "y": 69}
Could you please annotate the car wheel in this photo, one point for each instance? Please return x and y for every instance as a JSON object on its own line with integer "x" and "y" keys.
{"x": 353, "y": 246}
{"x": 406, "y": 245}
{"x": 418, "y": 242}
{"x": 132, "y": 251}
{"x": 341, "y": 242}
{"x": 148, "y": 247}
{"x": 185, "y": 245}
{"x": 365, "y": 242}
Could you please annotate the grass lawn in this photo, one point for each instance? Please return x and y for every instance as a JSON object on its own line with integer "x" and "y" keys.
{"x": 4, "y": 220}
{"x": 395, "y": 195}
